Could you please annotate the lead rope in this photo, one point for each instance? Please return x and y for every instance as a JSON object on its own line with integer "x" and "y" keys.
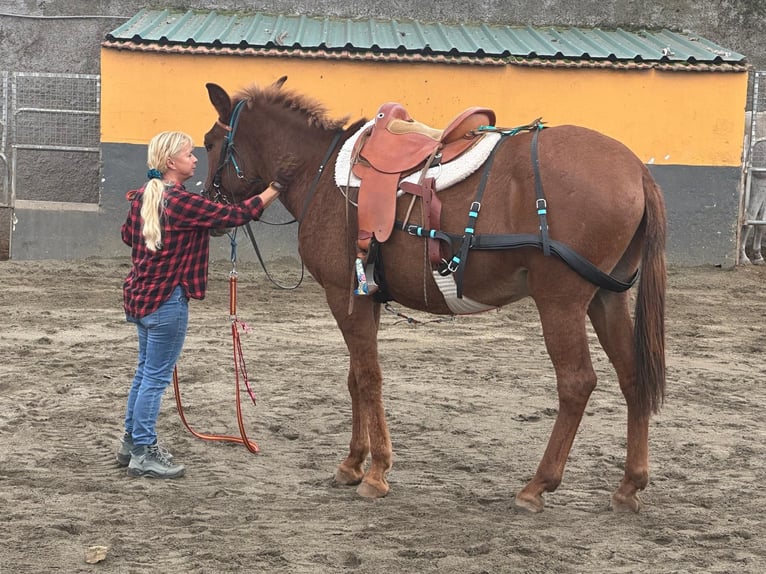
{"x": 239, "y": 365}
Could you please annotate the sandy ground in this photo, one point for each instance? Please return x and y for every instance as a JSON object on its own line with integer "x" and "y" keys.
{"x": 470, "y": 404}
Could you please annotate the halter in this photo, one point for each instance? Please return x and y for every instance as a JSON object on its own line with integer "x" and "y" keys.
{"x": 229, "y": 155}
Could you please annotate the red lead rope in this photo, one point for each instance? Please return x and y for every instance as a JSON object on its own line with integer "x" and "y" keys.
{"x": 239, "y": 368}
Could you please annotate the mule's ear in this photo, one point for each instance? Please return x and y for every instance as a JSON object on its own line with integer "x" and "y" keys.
{"x": 220, "y": 100}
{"x": 280, "y": 82}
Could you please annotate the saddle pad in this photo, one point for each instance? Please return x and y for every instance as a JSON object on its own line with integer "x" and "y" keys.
{"x": 444, "y": 175}
{"x": 464, "y": 306}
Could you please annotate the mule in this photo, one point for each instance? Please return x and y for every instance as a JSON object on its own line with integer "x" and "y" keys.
{"x": 603, "y": 204}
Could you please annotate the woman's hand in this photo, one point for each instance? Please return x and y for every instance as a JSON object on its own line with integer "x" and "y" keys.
{"x": 286, "y": 173}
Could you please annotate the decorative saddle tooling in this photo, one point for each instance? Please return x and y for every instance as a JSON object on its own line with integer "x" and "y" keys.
{"x": 395, "y": 146}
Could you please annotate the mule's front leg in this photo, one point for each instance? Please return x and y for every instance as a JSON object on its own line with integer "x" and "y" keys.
{"x": 369, "y": 383}
{"x": 351, "y": 470}
{"x": 369, "y": 432}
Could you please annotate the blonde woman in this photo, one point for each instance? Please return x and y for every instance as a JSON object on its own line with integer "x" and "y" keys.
{"x": 168, "y": 229}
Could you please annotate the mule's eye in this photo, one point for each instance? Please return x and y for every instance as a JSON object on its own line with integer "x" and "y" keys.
{"x": 208, "y": 146}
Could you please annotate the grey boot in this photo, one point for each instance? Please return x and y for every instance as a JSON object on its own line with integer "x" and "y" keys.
{"x": 123, "y": 455}
{"x": 153, "y": 461}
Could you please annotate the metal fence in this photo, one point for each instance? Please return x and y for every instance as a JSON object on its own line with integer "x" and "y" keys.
{"x": 5, "y": 193}
{"x": 755, "y": 143}
{"x": 50, "y": 145}
{"x": 54, "y": 122}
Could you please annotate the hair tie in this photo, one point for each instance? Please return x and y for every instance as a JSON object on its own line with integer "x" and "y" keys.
{"x": 154, "y": 174}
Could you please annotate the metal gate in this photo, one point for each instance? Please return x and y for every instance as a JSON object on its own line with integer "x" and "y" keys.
{"x": 6, "y": 209}
{"x": 754, "y": 164}
{"x": 50, "y": 145}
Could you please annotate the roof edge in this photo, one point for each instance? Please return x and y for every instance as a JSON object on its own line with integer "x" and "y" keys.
{"x": 452, "y": 59}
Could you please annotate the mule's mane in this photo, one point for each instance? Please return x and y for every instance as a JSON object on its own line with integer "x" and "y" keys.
{"x": 314, "y": 111}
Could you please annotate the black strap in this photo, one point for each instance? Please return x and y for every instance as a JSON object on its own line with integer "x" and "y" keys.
{"x": 458, "y": 263}
{"x": 492, "y": 242}
{"x": 315, "y": 182}
{"x": 540, "y": 204}
{"x": 575, "y": 261}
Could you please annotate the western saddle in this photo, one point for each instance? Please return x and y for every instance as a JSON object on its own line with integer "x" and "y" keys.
{"x": 396, "y": 146}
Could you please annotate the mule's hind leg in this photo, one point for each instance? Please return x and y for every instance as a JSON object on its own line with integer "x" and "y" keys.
{"x": 566, "y": 339}
{"x": 369, "y": 431}
{"x": 610, "y": 315}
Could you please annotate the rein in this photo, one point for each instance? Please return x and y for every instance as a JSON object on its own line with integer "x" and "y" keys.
{"x": 239, "y": 366}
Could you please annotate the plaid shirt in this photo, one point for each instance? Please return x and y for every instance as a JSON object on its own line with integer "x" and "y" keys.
{"x": 183, "y": 258}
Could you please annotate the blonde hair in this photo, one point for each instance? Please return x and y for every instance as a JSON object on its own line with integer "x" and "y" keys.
{"x": 162, "y": 147}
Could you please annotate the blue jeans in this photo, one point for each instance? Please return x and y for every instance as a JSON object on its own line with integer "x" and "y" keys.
{"x": 160, "y": 339}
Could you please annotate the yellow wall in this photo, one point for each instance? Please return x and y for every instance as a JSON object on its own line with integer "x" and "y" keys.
{"x": 670, "y": 118}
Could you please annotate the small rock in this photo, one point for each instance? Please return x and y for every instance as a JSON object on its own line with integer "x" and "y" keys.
{"x": 95, "y": 554}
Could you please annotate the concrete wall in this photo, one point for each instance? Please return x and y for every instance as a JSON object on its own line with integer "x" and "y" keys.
{"x": 35, "y": 44}
{"x": 80, "y": 234}
{"x": 66, "y": 36}
{"x": 701, "y": 218}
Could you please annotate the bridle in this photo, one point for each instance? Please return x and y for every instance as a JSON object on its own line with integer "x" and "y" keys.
{"x": 229, "y": 157}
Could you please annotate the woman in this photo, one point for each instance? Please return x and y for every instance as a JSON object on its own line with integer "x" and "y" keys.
{"x": 168, "y": 229}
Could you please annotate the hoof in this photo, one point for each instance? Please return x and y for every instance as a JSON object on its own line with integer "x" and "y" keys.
{"x": 530, "y": 503}
{"x": 368, "y": 490}
{"x": 346, "y": 477}
{"x": 626, "y": 503}
{"x": 759, "y": 261}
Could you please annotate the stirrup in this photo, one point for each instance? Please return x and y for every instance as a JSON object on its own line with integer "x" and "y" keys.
{"x": 364, "y": 286}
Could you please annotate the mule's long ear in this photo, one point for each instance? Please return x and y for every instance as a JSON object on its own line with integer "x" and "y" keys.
{"x": 280, "y": 82}
{"x": 220, "y": 100}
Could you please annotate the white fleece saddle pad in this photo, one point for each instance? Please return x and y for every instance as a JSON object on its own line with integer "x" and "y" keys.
{"x": 444, "y": 175}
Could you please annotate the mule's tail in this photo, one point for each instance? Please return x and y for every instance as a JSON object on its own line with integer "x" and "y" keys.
{"x": 649, "y": 325}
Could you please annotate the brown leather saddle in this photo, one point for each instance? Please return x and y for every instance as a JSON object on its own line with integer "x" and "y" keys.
{"x": 396, "y": 146}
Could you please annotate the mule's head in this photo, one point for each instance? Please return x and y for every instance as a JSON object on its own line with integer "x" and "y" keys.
{"x": 236, "y": 169}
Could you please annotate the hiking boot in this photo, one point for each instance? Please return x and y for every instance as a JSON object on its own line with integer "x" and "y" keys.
{"x": 152, "y": 461}
{"x": 123, "y": 455}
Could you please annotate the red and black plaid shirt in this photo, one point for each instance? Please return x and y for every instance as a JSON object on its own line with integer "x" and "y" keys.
{"x": 183, "y": 258}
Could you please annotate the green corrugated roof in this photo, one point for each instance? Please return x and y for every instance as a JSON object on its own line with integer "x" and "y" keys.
{"x": 310, "y": 36}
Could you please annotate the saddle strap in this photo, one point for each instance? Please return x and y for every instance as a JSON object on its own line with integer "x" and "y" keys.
{"x": 576, "y": 262}
{"x": 432, "y": 211}
{"x": 540, "y": 204}
{"x": 458, "y": 263}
